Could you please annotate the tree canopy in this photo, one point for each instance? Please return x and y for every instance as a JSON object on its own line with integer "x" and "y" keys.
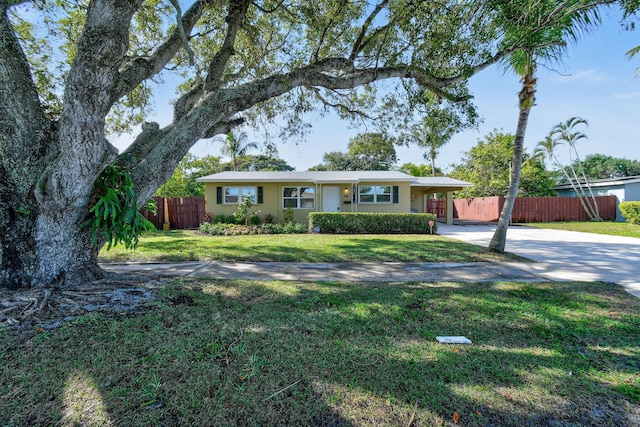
{"x": 74, "y": 73}
{"x": 366, "y": 152}
{"x": 183, "y": 181}
{"x": 488, "y": 166}
{"x": 602, "y": 166}
{"x": 419, "y": 170}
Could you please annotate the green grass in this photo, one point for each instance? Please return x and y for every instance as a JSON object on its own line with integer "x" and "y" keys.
{"x": 611, "y": 228}
{"x": 285, "y": 353}
{"x": 183, "y": 245}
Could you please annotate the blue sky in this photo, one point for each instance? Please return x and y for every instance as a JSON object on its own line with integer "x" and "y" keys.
{"x": 595, "y": 81}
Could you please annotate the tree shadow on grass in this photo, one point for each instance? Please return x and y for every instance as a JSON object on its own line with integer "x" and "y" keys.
{"x": 268, "y": 353}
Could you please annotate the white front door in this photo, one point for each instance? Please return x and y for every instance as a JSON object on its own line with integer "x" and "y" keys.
{"x": 330, "y": 199}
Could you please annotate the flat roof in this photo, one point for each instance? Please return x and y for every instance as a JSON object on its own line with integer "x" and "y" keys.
{"x": 328, "y": 177}
{"x": 604, "y": 182}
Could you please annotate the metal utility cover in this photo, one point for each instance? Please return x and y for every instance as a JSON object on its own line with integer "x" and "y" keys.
{"x": 453, "y": 340}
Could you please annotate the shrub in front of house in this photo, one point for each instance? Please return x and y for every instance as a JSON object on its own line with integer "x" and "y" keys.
{"x": 221, "y": 229}
{"x": 372, "y": 223}
{"x": 631, "y": 211}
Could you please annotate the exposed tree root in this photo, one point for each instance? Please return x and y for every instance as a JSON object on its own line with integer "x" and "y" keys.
{"x": 36, "y": 310}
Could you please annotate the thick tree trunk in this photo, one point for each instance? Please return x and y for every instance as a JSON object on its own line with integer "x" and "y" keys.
{"x": 42, "y": 247}
{"x": 58, "y": 252}
{"x": 527, "y": 97}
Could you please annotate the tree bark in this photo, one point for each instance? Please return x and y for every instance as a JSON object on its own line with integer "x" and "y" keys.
{"x": 527, "y": 98}
{"x": 48, "y": 166}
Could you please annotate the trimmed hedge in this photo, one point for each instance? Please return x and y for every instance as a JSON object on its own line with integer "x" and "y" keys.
{"x": 220, "y": 229}
{"x": 631, "y": 211}
{"x": 372, "y": 223}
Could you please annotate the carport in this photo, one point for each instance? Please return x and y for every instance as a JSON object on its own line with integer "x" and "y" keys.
{"x": 423, "y": 188}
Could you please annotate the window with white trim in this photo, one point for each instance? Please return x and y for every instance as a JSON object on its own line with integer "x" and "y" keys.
{"x": 232, "y": 195}
{"x": 298, "y": 197}
{"x": 374, "y": 194}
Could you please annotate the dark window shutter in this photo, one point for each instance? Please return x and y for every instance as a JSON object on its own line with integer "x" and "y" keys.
{"x": 260, "y": 195}
{"x": 219, "y": 195}
{"x": 395, "y": 193}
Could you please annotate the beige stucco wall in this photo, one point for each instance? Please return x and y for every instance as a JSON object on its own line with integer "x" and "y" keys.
{"x": 272, "y": 201}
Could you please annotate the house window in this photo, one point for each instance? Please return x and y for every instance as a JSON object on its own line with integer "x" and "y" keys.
{"x": 374, "y": 194}
{"x": 232, "y": 195}
{"x": 298, "y": 197}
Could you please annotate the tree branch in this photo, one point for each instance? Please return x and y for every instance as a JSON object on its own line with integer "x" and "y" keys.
{"x": 237, "y": 12}
{"x": 359, "y": 45}
{"x": 182, "y": 32}
{"x": 223, "y": 127}
{"x": 141, "y": 69}
{"x": 21, "y": 114}
{"x": 339, "y": 105}
{"x": 9, "y": 3}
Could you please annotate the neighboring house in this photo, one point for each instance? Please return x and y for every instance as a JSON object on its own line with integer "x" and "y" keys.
{"x": 326, "y": 191}
{"x": 626, "y": 189}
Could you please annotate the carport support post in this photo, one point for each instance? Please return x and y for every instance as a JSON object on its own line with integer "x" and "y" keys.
{"x": 449, "y": 209}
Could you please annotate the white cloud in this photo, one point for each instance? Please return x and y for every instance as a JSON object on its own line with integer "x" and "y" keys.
{"x": 629, "y": 95}
{"x": 590, "y": 76}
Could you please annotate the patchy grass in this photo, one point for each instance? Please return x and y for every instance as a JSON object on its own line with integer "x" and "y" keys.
{"x": 319, "y": 354}
{"x": 605, "y": 227}
{"x": 185, "y": 245}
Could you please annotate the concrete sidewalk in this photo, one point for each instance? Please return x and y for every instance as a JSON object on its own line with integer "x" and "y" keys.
{"x": 343, "y": 272}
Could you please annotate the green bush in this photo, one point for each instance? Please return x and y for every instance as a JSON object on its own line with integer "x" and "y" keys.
{"x": 631, "y": 211}
{"x": 288, "y": 215}
{"x": 255, "y": 220}
{"x": 372, "y": 223}
{"x": 219, "y": 229}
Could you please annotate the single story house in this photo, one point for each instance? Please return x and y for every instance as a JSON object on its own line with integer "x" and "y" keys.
{"x": 326, "y": 191}
{"x": 625, "y": 189}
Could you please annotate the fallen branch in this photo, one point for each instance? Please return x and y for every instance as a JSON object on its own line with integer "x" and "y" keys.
{"x": 281, "y": 390}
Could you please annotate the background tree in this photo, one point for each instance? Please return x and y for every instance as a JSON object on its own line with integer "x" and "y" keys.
{"x": 366, "y": 152}
{"x": 440, "y": 121}
{"x": 260, "y": 162}
{"x": 236, "y": 62}
{"x": 524, "y": 20}
{"x": 564, "y": 133}
{"x": 488, "y": 167}
{"x": 183, "y": 181}
{"x": 235, "y": 146}
{"x": 419, "y": 170}
{"x": 602, "y": 166}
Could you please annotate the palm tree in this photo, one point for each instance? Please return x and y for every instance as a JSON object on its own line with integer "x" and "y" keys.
{"x": 546, "y": 149}
{"x": 235, "y": 147}
{"x": 633, "y": 52}
{"x": 564, "y": 132}
{"x": 538, "y": 31}
{"x": 435, "y": 130}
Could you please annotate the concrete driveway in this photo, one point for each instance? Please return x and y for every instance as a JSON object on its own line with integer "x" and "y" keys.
{"x": 564, "y": 255}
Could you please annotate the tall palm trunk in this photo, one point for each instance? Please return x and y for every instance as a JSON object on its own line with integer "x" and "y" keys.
{"x": 527, "y": 98}
{"x": 594, "y": 203}
{"x": 576, "y": 189}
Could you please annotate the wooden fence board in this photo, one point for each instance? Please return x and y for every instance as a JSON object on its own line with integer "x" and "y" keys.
{"x": 532, "y": 209}
{"x": 183, "y": 212}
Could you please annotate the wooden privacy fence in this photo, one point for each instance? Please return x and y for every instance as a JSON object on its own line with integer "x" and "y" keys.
{"x": 532, "y": 209}
{"x": 436, "y": 207}
{"x": 183, "y": 212}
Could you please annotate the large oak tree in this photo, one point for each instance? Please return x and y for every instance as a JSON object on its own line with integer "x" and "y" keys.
{"x": 239, "y": 61}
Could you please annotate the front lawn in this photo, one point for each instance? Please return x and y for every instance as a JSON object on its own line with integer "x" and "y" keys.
{"x": 605, "y": 227}
{"x": 186, "y": 245}
{"x": 331, "y": 354}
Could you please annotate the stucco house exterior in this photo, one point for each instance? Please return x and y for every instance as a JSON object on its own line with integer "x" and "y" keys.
{"x": 625, "y": 189}
{"x": 326, "y": 191}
